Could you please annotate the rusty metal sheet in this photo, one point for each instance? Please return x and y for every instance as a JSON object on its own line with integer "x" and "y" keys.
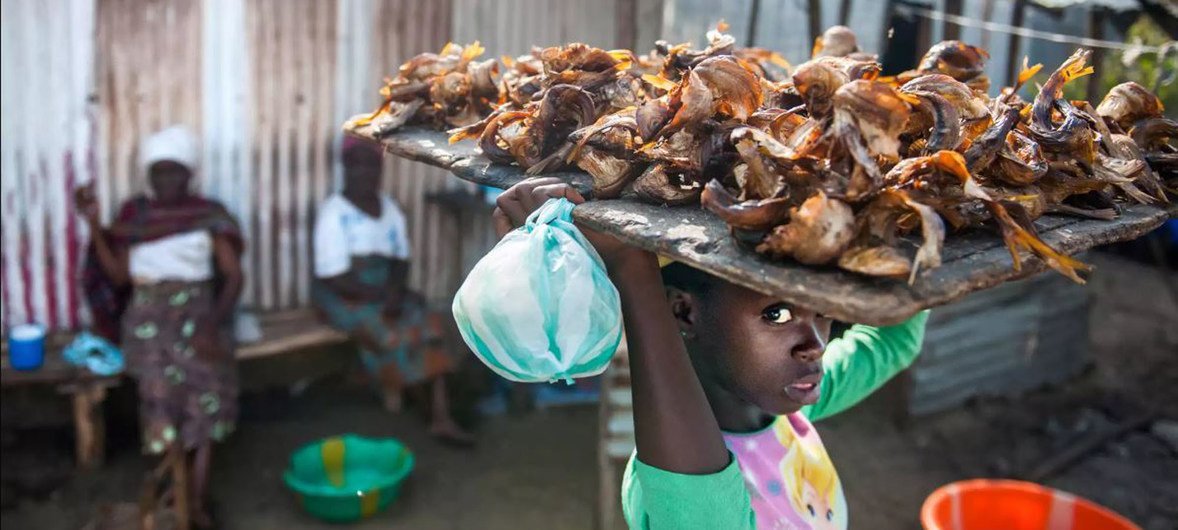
{"x": 972, "y": 261}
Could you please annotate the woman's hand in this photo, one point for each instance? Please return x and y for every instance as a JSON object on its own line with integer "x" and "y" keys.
{"x": 206, "y": 339}
{"x": 515, "y": 205}
{"x": 86, "y": 203}
{"x": 393, "y": 302}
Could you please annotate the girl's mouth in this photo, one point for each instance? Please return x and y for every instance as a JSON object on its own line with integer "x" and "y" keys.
{"x": 805, "y": 390}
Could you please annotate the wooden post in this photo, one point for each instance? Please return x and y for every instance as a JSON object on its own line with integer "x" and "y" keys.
{"x": 924, "y": 38}
{"x": 626, "y": 24}
{"x": 987, "y": 14}
{"x": 950, "y": 30}
{"x": 885, "y": 37}
{"x": 815, "y": 18}
{"x": 845, "y": 12}
{"x": 754, "y": 13}
{"x": 1017, "y": 16}
{"x": 1096, "y": 16}
{"x": 650, "y": 12}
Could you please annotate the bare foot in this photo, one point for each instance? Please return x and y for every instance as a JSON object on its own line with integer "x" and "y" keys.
{"x": 449, "y": 433}
{"x": 202, "y": 519}
{"x": 393, "y": 402}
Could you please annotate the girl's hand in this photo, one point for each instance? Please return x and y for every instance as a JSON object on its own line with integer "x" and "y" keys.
{"x": 515, "y": 205}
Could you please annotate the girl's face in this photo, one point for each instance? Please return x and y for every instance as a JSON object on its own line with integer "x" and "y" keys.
{"x": 760, "y": 349}
{"x": 169, "y": 180}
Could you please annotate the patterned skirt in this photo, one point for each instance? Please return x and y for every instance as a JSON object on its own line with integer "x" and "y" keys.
{"x": 182, "y": 397}
{"x": 396, "y": 353}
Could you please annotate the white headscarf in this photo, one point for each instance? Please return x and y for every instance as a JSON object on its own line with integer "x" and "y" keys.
{"x": 174, "y": 144}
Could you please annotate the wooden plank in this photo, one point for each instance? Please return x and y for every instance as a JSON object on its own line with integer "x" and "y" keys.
{"x": 55, "y": 370}
{"x": 291, "y": 339}
{"x": 973, "y": 261}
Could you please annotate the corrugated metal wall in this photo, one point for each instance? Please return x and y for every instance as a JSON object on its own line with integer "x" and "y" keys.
{"x": 780, "y": 25}
{"x": 46, "y": 50}
{"x": 266, "y": 84}
{"x": 1008, "y": 339}
{"x": 269, "y": 117}
{"x": 512, "y": 27}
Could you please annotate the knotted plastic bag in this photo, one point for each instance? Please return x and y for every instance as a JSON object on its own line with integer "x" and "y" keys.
{"x": 539, "y": 307}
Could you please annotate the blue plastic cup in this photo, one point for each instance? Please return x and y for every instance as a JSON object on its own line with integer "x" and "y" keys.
{"x": 26, "y": 346}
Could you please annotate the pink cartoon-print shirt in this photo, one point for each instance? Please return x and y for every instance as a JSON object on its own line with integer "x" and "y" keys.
{"x": 791, "y": 481}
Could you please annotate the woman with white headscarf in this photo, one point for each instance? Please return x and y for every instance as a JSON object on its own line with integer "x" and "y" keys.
{"x": 168, "y": 271}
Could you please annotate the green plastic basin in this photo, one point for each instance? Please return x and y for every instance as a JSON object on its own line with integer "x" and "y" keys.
{"x": 348, "y": 478}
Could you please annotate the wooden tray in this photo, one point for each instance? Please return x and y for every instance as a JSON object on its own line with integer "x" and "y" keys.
{"x": 971, "y": 261}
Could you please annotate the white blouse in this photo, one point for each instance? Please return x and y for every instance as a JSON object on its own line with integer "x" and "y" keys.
{"x": 342, "y": 230}
{"x": 187, "y": 256}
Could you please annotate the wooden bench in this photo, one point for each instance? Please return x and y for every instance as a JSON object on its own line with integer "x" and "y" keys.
{"x": 86, "y": 391}
{"x": 287, "y": 331}
{"x": 282, "y": 332}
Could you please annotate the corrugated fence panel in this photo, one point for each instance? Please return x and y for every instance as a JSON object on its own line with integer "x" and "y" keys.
{"x": 225, "y": 100}
{"x": 46, "y": 60}
{"x": 268, "y": 119}
{"x": 782, "y": 25}
{"x": 401, "y": 29}
{"x": 512, "y": 27}
{"x": 690, "y": 20}
{"x": 292, "y": 68}
{"x": 149, "y": 73}
{"x": 1033, "y": 332}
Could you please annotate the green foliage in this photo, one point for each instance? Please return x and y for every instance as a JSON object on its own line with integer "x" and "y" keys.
{"x": 1144, "y": 68}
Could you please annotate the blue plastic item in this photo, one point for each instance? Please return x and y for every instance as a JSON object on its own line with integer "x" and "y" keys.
{"x": 539, "y": 307}
{"x": 26, "y": 347}
{"x": 491, "y": 194}
{"x": 95, "y": 353}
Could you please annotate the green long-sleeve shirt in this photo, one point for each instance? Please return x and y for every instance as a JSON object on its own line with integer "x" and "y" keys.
{"x": 854, "y": 366}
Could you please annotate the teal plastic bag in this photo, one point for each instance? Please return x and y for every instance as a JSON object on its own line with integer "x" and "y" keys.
{"x": 94, "y": 353}
{"x": 539, "y": 307}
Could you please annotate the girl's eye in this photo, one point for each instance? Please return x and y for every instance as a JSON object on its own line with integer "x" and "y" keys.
{"x": 777, "y": 314}
{"x": 829, "y": 515}
{"x": 811, "y": 508}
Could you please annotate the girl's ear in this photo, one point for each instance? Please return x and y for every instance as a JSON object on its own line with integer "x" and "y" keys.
{"x": 684, "y": 307}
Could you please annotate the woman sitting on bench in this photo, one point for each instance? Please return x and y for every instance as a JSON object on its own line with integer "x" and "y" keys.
{"x": 361, "y": 266}
{"x": 180, "y": 256}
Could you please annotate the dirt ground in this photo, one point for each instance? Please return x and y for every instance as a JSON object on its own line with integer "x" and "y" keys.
{"x": 538, "y": 470}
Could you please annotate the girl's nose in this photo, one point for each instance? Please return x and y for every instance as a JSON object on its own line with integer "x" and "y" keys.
{"x": 810, "y": 349}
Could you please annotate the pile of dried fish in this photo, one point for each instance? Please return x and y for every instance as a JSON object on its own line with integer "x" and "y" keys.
{"x": 446, "y": 89}
{"x": 830, "y": 164}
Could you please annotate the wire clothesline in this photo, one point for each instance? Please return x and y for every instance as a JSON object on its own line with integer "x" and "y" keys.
{"x": 1030, "y": 33}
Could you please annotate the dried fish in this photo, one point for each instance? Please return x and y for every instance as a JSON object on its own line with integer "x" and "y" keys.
{"x": 817, "y": 233}
{"x": 831, "y": 163}
{"x": 1128, "y": 103}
